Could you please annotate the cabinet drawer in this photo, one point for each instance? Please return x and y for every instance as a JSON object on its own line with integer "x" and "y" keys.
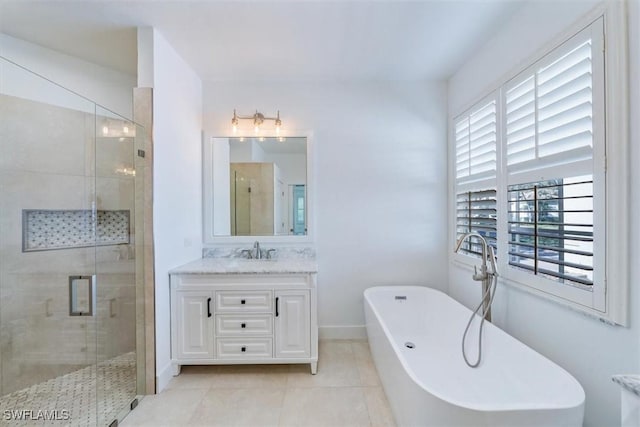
{"x": 243, "y": 301}
{"x": 239, "y": 348}
{"x": 239, "y": 324}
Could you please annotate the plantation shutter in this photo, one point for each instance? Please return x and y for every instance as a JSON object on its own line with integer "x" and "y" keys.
{"x": 551, "y": 231}
{"x": 476, "y": 213}
{"x": 554, "y": 130}
{"x": 549, "y": 111}
{"x": 476, "y": 147}
{"x": 476, "y": 159}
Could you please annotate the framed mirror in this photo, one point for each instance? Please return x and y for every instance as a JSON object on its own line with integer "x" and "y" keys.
{"x": 256, "y": 188}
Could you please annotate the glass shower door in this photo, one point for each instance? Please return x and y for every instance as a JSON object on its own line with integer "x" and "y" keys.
{"x": 71, "y": 273}
{"x": 118, "y": 240}
{"x": 48, "y": 332}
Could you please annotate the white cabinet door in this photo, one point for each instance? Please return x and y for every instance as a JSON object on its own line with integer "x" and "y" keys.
{"x": 292, "y": 324}
{"x": 195, "y": 324}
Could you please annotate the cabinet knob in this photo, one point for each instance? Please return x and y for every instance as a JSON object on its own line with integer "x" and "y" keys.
{"x": 243, "y": 349}
{"x": 243, "y": 325}
{"x": 242, "y": 301}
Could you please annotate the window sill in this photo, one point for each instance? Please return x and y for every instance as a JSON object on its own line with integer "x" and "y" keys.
{"x": 573, "y": 306}
{"x": 466, "y": 263}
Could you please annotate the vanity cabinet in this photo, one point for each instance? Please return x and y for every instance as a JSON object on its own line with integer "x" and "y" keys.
{"x": 193, "y": 324}
{"x": 243, "y": 318}
{"x": 292, "y": 323}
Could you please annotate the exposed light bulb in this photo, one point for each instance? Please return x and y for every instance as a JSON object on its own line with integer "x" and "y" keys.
{"x": 105, "y": 130}
{"x": 278, "y": 123}
{"x": 125, "y": 129}
{"x": 258, "y": 120}
{"x": 234, "y": 122}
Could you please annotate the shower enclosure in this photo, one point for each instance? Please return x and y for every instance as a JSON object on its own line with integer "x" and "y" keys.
{"x": 71, "y": 273}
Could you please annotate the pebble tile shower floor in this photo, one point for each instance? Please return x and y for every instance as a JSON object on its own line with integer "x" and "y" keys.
{"x": 345, "y": 392}
{"x": 79, "y": 394}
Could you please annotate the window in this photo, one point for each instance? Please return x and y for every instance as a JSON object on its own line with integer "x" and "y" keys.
{"x": 531, "y": 172}
{"x": 476, "y": 213}
{"x": 476, "y": 148}
{"x": 555, "y": 176}
{"x": 550, "y": 113}
{"x": 551, "y": 229}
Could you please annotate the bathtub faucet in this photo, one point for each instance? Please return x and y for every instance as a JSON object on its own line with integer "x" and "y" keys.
{"x": 488, "y": 278}
{"x": 485, "y": 276}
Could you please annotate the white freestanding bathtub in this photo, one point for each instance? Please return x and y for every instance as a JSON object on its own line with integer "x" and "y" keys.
{"x": 430, "y": 385}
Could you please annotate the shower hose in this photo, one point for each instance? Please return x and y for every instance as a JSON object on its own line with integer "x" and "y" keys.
{"x": 488, "y": 295}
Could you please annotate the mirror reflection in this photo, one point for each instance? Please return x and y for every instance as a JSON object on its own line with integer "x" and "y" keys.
{"x": 260, "y": 186}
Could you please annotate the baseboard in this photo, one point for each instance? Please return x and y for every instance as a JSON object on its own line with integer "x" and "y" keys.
{"x": 342, "y": 332}
{"x": 164, "y": 377}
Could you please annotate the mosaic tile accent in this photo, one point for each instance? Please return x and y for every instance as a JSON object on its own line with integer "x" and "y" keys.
{"x": 44, "y": 230}
{"x": 75, "y": 399}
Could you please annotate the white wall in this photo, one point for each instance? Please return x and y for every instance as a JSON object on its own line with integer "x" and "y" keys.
{"x": 177, "y": 186}
{"x": 109, "y": 88}
{"x": 589, "y": 349}
{"x": 257, "y": 153}
{"x": 239, "y": 152}
{"x": 293, "y": 167}
{"x": 221, "y": 153}
{"x": 380, "y": 162}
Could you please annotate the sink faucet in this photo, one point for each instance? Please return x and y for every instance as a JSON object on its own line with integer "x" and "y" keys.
{"x": 256, "y": 247}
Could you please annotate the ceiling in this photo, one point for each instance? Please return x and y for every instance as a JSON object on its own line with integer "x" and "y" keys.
{"x": 293, "y": 40}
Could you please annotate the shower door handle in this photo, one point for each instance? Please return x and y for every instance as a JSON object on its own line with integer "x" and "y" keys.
{"x": 82, "y": 295}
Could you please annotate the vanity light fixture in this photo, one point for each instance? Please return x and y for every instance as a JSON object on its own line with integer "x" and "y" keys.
{"x": 258, "y": 119}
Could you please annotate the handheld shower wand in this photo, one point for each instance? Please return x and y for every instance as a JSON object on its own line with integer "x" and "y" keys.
{"x": 488, "y": 278}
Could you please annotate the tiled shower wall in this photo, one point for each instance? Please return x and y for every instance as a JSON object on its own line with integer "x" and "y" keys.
{"x": 51, "y": 159}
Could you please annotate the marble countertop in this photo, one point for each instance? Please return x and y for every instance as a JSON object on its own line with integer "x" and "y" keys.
{"x": 247, "y": 266}
{"x": 628, "y": 382}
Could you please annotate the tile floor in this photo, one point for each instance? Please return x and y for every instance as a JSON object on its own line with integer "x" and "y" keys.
{"x": 345, "y": 392}
{"x": 98, "y": 390}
